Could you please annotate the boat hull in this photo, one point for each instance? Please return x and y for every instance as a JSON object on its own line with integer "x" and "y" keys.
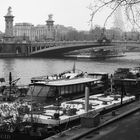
{"x": 93, "y": 57}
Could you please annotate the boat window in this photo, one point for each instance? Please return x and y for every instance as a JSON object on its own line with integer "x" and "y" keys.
{"x": 51, "y": 91}
{"x": 127, "y": 83}
{"x": 38, "y": 90}
{"x": 70, "y": 89}
{"x": 82, "y": 87}
{"x": 74, "y": 88}
{"x": 30, "y": 90}
{"x": 78, "y": 88}
{"x": 62, "y": 90}
{"x": 59, "y": 90}
{"x": 66, "y": 90}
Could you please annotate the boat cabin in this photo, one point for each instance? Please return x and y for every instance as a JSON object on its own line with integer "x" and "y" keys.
{"x": 65, "y": 87}
{"x": 131, "y": 86}
{"x": 129, "y": 79}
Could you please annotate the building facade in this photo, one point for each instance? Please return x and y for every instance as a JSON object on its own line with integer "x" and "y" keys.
{"x": 35, "y": 33}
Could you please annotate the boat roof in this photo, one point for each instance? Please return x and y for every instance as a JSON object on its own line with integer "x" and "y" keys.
{"x": 98, "y": 73}
{"x": 128, "y": 79}
{"x": 66, "y": 82}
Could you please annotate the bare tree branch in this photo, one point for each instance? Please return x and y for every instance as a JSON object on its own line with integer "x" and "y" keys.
{"x": 131, "y": 8}
{"x": 100, "y": 7}
{"x": 112, "y": 12}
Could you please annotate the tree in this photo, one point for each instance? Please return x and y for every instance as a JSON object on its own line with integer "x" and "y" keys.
{"x": 130, "y": 7}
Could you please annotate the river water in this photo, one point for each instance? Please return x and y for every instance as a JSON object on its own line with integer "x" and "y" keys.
{"x": 25, "y": 68}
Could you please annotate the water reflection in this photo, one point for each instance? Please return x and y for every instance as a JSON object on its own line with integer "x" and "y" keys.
{"x": 25, "y": 68}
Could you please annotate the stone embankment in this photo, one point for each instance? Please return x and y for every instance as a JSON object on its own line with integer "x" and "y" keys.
{"x": 106, "y": 119}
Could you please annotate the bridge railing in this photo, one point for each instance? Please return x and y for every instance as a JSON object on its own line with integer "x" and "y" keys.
{"x": 36, "y": 46}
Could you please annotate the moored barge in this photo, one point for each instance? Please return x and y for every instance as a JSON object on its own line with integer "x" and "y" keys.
{"x": 96, "y": 54}
{"x": 128, "y": 79}
{"x": 68, "y": 84}
{"x": 75, "y": 109}
{"x": 36, "y": 121}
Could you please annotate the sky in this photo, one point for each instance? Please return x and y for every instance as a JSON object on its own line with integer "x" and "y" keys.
{"x": 73, "y": 13}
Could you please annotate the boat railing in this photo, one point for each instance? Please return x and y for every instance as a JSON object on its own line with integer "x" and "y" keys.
{"x": 61, "y": 76}
{"x": 58, "y": 78}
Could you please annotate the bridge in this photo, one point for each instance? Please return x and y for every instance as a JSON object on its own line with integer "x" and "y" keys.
{"x": 54, "y": 49}
{"x": 59, "y": 48}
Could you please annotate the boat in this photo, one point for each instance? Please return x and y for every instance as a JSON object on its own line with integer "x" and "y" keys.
{"x": 129, "y": 79}
{"x": 20, "y": 120}
{"x": 10, "y": 91}
{"x": 96, "y": 54}
{"x": 73, "y": 110}
{"x": 68, "y": 84}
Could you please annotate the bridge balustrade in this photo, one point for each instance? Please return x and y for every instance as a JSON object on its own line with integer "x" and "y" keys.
{"x": 36, "y": 46}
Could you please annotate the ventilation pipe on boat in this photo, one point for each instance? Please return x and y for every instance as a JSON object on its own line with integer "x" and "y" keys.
{"x": 86, "y": 98}
{"x": 111, "y": 83}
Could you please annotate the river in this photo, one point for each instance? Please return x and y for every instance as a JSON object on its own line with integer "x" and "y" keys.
{"x": 25, "y": 68}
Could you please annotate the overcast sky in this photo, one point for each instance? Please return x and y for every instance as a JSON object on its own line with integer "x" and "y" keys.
{"x": 65, "y": 12}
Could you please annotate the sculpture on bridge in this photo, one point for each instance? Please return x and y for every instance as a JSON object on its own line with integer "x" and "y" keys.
{"x": 50, "y": 16}
{"x": 9, "y": 11}
{"x": 103, "y": 39}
